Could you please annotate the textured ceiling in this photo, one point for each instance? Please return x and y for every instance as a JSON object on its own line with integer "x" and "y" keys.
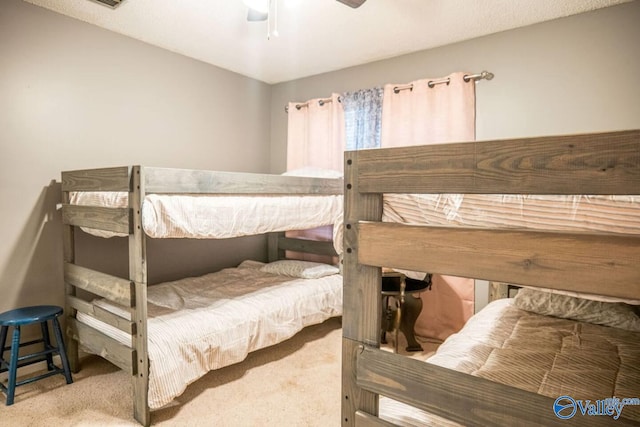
{"x": 314, "y": 36}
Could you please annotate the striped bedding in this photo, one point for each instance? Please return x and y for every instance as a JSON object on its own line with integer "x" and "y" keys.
{"x": 541, "y": 354}
{"x": 203, "y": 323}
{"x": 614, "y": 214}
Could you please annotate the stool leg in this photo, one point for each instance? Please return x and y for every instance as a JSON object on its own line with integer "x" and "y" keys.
{"x": 13, "y": 365}
{"x": 61, "y": 350}
{"x": 47, "y": 345}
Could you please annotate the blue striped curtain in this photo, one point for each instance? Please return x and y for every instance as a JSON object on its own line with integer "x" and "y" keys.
{"x": 363, "y": 117}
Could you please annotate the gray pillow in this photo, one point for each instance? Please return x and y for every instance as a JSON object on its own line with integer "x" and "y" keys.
{"x": 618, "y": 315}
{"x": 301, "y": 269}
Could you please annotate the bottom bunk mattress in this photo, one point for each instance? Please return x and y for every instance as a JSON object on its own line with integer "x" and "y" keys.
{"x": 543, "y": 354}
{"x": 203, "y": 323}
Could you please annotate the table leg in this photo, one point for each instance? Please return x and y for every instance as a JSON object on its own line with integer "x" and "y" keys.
{"x": 411, "y": 310}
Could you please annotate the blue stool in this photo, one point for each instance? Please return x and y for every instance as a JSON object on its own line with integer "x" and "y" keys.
{"x": 26, "y": 316}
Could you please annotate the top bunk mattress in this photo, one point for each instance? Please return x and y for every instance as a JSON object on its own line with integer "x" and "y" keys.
{"x": 219, "y": 216}
{"x": 571, "y": 213}
{"x": 611, "y": 214}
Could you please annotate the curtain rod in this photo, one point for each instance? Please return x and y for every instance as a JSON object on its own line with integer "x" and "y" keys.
{"x": 321, "y": 102}
{"x": 486, "y": 75}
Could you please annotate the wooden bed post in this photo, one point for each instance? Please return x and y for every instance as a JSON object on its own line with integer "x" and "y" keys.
{"x": 361, "y": 301}
{"x": 69, "y": 255}
{"x": 274, "y": 252}
{"x": 138, "y": 277}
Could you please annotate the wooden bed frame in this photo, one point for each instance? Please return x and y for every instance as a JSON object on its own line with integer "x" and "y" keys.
{"x": 132, "y": 292}
{"x": 602, "y": 163}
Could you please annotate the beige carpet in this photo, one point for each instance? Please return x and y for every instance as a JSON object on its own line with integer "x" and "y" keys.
{"x": 295, "y": 383}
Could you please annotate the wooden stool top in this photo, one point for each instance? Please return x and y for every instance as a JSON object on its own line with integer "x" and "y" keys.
{"x": 28, "y": 315}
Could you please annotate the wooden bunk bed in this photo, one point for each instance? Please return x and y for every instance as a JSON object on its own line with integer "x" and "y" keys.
{"x": 83, "y": 284}
{"x": 590, "y": 164}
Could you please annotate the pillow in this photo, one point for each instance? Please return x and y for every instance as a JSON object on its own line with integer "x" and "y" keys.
{"x": 314, "y": 173}
{"x": 301, "y": 269}
{"x": 618, "y": 315}
{"x": 582, "y": 295}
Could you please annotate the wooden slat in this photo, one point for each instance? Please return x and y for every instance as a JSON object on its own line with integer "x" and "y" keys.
{"x": 599, "y": 163}
{"x": 120, "y": 355}
{"x": 578, "y": 262}
{"x": 102, "y": 314}
{"x": 367, "y": 420}
{"x": 307, "y": 246}
{"x": 461, "y": 397}
{"x": 100, "y": 218}
{"x": 105, "y": 179}
{"x": 116, "y": 289}
{"x": 164, "y": 180}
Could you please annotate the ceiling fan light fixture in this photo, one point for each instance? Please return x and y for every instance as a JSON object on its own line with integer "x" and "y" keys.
{"x": 255, "y": 16}
{"x": 258, "y": 6}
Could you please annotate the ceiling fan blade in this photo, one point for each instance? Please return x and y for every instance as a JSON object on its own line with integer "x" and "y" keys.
{"x": 353, "y": 3}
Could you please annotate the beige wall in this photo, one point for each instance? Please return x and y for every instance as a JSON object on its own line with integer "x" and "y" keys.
{"x": 571, "y": 75}
{"x": 75, "y": 96}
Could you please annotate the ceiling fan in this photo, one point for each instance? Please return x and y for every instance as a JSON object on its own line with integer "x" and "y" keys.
{"x": 259, "y": 9}
{"x": 352, "y": 3}
{"x": 111, "y": 3}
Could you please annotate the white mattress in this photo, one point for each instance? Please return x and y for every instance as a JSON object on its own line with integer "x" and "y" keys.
{"x": 199, "y": 324}
{"x": 611, "y": 214}
{"x": 220, "y": 216}
{"x": 614, "y": 214}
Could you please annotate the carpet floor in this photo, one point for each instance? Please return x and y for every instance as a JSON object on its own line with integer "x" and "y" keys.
{"x": 295, "y": 383}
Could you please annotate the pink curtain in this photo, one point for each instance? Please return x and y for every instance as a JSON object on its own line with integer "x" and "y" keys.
{"x": 315, "y": 135}
{"x": 315, "y": 138}
{"x": 422, "y": 113}
{"x": 417, "y": 114}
